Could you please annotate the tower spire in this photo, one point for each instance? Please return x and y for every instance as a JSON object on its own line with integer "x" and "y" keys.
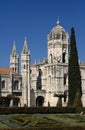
{"x": 14, "y": 52}
{"x": 25, "y": 72}
{"x": 25, "y": 47}
{"x": 14, "y": 59}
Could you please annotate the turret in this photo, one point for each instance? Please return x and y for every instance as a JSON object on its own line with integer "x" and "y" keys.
{"x": 14, "y": 60}
{"x": 25, "y": 72}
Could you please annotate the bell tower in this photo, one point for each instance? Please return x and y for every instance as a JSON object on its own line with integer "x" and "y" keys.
{"x": 25, "y": 72}
{"x": 14, "y": 60}
{"x": 58, "y": 45}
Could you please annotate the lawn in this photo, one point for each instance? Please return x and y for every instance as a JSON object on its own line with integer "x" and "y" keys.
{"x": 32, "y": 120}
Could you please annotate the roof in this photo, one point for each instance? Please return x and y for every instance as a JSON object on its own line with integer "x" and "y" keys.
{"x": 57, "y": 31}
{"x": 58, "y": 28}
{"x": 7, "y": 71}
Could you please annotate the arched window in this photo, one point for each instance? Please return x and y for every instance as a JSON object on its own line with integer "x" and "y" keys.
{"x": 63, "y": 35}
{"x": 65, "y": 77}
{"x": 39, "y": 82}
{"x": 65, "y": 93}
{"x": 49, "y": 79}
{"x": 40, "y": 72}
{"x": 24, "y": 66}
{"x": 16, "y": 85}
{"x": 15, "y": 69}
{"x": 51, "y": 58}
{"x": 27, "y": 66}
{"x": 64, "y": 54}
{"x": 58, "y": 36}
{"x": 3, "y": 84}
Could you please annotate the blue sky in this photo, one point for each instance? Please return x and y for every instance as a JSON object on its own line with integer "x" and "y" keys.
{"x": 35, "y": 19}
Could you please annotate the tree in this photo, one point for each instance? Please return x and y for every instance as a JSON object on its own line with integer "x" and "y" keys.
{"x": 77, "y": 101}
{"x": 74, "y": 76}
{"x": 59, "y": 103}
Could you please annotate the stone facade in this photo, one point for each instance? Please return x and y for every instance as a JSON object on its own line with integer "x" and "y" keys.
{"x": 41, "y": 83}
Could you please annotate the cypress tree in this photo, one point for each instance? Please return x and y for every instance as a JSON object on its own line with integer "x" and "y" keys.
{"x": 59, "y": 103}
{"x": 77, "y": 101}
{"x": 74, "y": 76}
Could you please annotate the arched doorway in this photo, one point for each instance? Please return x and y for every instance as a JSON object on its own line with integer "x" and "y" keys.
{"x": 39, "y": 101}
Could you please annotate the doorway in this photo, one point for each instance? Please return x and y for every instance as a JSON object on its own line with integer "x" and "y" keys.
{"x": 39, "y": 101}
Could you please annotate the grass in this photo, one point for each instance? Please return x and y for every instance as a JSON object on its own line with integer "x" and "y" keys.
{"x": 36, "y": 120}
{"x": 3, "y": 125}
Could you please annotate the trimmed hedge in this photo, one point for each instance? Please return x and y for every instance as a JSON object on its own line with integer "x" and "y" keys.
{"x": 42, "y": 110}
{"x": 51, "y": 128}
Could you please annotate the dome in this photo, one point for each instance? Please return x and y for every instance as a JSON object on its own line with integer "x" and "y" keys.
{"x": 57, "y": 32}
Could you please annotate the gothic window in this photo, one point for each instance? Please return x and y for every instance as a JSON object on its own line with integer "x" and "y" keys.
{"x": 39, "y": 82}
{"x": 40, "y": 72}
{"x": 65, "y": 77}
{"x": 64, "y": 54}
{"x": 63, "y": 35}
{"x": 64, "y": 96}
{"x": 26, "y": 52}
{"x": 3, "y": 84}
{"x": 16, "y": 85}
{"x": 27, "y": 66}
{"x": 58, "y": 36}
{"x": 24, "y": 66}
{"x": 20, "y": 86}
{"x": 30, "y": 71}
{"x": 51, "y": 58}
{"x": 15, "y": 69}
{"x": 49, "y": 80}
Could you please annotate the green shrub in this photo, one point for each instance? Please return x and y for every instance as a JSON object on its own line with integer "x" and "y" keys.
{"x": 33, "y": 110}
